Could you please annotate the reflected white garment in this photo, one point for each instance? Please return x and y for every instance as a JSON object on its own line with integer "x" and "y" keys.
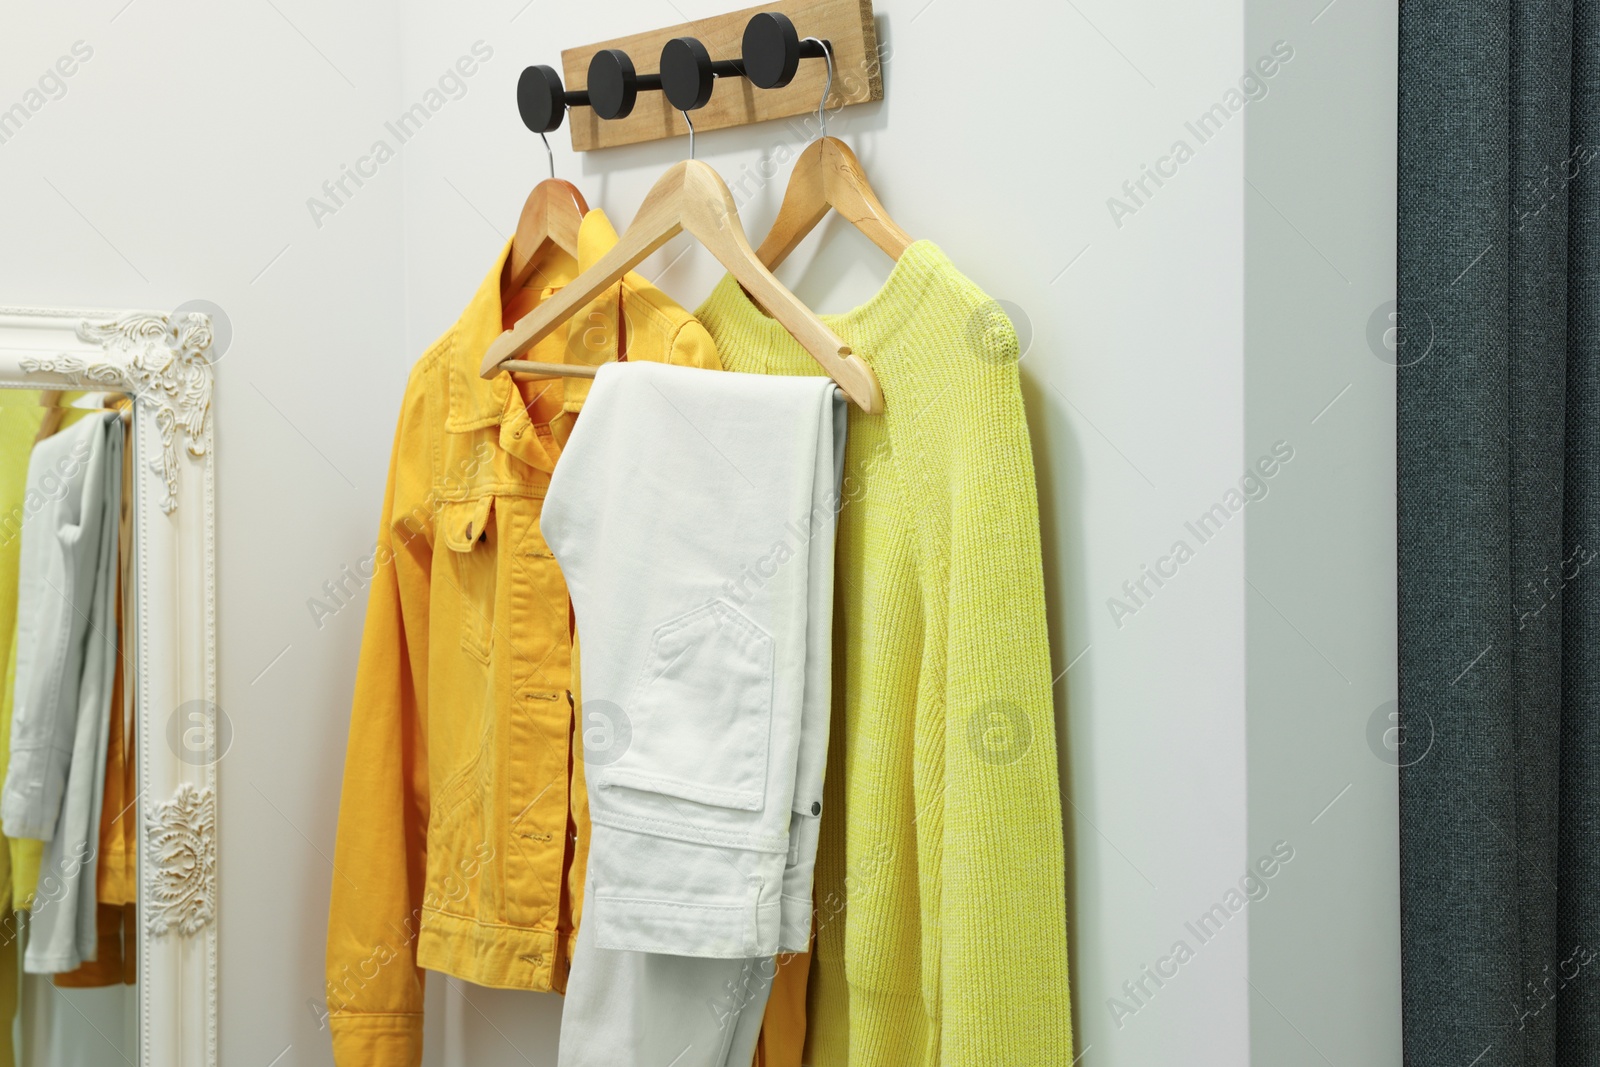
{"x": 75, "y": 1027}
{"x": 66, "y": 660}
{"x": 693, "y": 515}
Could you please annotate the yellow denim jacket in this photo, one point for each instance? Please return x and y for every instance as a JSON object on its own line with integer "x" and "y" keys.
{"x": 463, "y": 827}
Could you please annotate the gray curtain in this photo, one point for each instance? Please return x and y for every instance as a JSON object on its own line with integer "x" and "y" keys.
{"x": 1499, "y": 532}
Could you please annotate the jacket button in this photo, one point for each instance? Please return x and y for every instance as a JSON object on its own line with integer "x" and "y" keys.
{"x": 816, "y": 807}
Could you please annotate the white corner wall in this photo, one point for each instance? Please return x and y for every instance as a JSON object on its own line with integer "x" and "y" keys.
{"x": 1021, "y": 136}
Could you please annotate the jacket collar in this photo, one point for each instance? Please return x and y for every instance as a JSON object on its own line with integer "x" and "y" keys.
{"x": 475, "y": 402}
{"x": 595, "y": 238}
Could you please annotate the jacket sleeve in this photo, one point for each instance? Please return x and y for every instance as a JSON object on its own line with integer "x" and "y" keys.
{"x": 1002, "y": 907}
{"x": 374, "y": 991}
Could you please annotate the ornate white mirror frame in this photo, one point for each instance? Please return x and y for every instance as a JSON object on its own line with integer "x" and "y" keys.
{"x": 160, "y": 361}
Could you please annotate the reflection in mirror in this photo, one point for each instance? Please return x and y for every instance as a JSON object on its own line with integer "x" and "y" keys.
{"x": 68, "y": 799}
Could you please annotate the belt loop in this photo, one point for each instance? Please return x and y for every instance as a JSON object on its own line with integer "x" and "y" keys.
{"x": 753, "y": 934}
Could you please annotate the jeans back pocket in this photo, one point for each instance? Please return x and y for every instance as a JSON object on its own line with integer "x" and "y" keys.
{"x": 701, "y": 711}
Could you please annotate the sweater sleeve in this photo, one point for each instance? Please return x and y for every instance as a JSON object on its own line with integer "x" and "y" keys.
{"x": 374, "y": 992}
{"x": 1002, "y": 907}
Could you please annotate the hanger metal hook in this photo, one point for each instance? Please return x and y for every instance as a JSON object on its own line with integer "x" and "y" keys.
{"x": 827, "y": 90}
{"x": 690, "y": 123}
{"x": 550, "y": 153}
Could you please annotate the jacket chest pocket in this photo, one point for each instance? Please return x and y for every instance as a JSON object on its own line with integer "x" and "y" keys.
{"x": 702, "y": 712}
{"x": 473, "y": 550}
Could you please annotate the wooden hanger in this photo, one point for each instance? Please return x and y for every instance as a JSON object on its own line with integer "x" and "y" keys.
{"x": 121, "y": 403}
{"x": 552, "y": 214}
{"x": 689, "y": 197}
{"x": 50, "y": 400}
{"x": 828, "y": 177}
{"x": 55, "y": 412}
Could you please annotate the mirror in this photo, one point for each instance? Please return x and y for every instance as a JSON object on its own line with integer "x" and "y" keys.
{"x": 108, "y": 723}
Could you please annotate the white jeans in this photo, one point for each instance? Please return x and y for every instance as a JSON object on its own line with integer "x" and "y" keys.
{"x": 66, "y": 662}
{"x": 692, "y": 513}
{"x": 647, "y": 1009}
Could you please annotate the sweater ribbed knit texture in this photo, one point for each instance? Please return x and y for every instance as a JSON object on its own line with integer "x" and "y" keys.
{"x": 940, "y": 896}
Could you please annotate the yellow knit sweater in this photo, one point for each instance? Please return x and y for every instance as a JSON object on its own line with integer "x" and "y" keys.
{"x": 940, "y": 891}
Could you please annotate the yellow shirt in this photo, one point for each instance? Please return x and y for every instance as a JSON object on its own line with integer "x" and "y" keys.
{"x": 940, "y": 887}
{"x": 463, "y": 828}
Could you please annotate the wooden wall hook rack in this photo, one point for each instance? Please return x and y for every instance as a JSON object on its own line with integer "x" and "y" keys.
{"x": 600, "y": 70}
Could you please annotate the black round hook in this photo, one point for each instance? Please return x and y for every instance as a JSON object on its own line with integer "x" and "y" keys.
{"x": 773, "y": 50}
{"x": 542, "y": 101}
{"x": 688, "y": 73}
{"x": 614, "y": 86}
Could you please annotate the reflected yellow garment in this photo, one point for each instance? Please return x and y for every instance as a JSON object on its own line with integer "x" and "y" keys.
{"x": 117, "y": 938}
{"x": 20, "y": 416}
{"x": 22, "y": 856}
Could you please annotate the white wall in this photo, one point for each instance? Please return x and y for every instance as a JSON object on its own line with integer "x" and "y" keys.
{"x": 188, "y": 146}
{"x": 1133, "y": 381}
{"x": 176, "y": 167}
